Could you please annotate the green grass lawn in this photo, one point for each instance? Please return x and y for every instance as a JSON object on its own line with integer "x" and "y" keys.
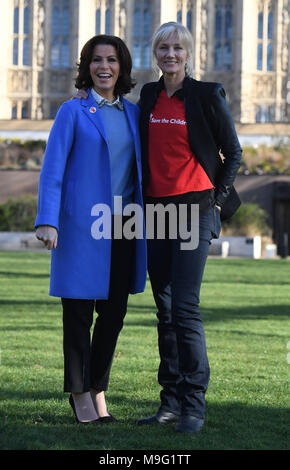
{"x": 245, "y": 306}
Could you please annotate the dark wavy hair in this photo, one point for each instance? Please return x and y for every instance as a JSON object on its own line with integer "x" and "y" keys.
{"x": 125, "y": 82}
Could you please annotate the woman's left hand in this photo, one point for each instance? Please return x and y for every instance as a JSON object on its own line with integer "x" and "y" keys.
{"x": 48, "y": 235}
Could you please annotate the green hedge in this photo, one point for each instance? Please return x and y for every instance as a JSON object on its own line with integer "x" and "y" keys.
{"x": 249, "y": 220}
{"x": 265, "y": 160}
{"x": 16, "y": 154}
{"x": 29, "y": 144}
{"x": 18, "y": 215}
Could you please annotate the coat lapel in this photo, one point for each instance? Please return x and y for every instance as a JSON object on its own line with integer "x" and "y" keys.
{"x": 131, "y": 120}
{"x": 92, "y": 111}
{"x": 197, "y": 122}
{"x": 193, "y": 114}
{"x": 134, "y": 126}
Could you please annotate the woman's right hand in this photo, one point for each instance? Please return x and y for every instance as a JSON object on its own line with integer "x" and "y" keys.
{"x": 80, "y": 94}
{"x": 48, "y": 235}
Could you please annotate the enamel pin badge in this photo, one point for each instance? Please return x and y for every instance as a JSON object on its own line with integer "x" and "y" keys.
{"x": 93, "y": 109}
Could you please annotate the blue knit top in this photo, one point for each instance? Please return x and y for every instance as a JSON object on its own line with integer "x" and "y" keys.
{"x": 121, "y": 149}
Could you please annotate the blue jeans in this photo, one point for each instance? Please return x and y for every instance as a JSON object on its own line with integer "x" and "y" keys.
{"x": 176, "y": 277}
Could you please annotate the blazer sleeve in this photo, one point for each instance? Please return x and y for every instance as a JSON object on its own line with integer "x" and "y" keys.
{"x": 140, "y": 102}
{"x": 227, "y": 142}
{"x": 57, "y": 151}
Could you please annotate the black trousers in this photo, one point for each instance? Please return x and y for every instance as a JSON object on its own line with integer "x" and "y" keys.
{"x": 176, "y": 277}
{"x": 87, "y": 361}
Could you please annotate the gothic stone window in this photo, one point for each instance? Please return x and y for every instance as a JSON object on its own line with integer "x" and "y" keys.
{"x": 14, "y": 111}
{"x": 141, "y": 35}
{"x": 15, "y": 34}
{"x": 189, "y": 19}
{"x": 21, "y": 30}
{"x": 104, "y": 17}
{"x": 223, "y": 35}
{"x": 60, "y": 34}
{"x": 265, "y": 36}
{"x": 108, "y": 20}
{"x": 24, "y": 110}
{"x": 265, "y": 113}
{"x": 184, "y": 14}
{"x": 98, "y": 21}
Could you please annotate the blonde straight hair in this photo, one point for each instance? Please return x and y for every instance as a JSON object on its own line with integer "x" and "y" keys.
{"x": 185, "y": 38}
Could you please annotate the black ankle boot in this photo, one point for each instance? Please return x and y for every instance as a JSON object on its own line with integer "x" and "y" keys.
{"x": 161, "y": 417}
{"x": 189, "y": 423}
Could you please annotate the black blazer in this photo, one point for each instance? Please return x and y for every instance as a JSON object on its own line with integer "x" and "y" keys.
{"x": 210, "y": 131}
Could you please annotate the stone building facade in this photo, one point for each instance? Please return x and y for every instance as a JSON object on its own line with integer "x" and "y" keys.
{"x": 242, "y": 43}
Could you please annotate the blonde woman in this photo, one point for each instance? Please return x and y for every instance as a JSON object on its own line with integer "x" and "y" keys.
{"x": 184, "y": 123}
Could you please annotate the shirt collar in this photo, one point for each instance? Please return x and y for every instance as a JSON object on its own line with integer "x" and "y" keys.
{"x": 101, "y": 101}
{"x": 178, "y": 93}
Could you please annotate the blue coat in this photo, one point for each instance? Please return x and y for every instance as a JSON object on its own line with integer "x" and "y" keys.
{"x": 74, "y": 177}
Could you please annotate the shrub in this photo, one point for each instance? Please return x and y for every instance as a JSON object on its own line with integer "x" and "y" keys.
{"x": 28, "y": 144}
{"x": 18, "y": 215}
{"x": 265, "y": 160}
{"x": 249, "y": 220}
{"x": 16, "y": 154}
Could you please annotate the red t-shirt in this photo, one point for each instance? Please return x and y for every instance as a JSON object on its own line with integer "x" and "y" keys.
{"x": 173, "y": 167}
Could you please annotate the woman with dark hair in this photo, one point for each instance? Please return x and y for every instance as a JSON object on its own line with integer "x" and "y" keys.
{"x": 92, "y": 157}
{"x": 124, "y": 83}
